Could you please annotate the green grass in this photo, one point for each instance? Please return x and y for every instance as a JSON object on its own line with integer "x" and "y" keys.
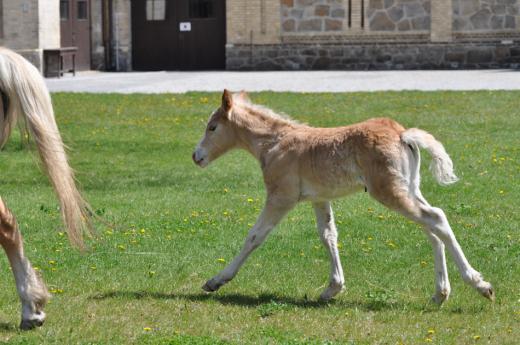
{"x": 141, "y": 281}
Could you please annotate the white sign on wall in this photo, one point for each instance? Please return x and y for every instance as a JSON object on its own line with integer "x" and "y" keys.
{"x": 185, "y": 26}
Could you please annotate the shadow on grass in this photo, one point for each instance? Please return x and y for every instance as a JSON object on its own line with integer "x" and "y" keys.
{"x": 8, "y": 327}
{"x": 262, "y": 299}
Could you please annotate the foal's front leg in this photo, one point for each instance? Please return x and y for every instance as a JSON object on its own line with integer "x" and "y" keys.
{"x": 329, "y": 237}
{"x": 31, "y": 289}
{"x": 274, "y": 210}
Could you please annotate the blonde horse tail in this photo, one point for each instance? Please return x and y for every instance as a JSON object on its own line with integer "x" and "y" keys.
{"x": 24, "y": 94}
{"x": 441, "y": 165}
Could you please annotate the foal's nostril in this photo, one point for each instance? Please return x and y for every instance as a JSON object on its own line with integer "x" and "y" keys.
{"x": 193, "y": 157}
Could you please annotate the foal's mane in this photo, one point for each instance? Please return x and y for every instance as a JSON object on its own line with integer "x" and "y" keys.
{"x": 248, "y": 113}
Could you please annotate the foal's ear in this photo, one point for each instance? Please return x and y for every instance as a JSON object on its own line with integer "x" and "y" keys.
{"x": 227, "y": 100}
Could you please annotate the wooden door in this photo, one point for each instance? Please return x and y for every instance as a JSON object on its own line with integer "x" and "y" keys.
{"x": 75, "y": 30}
{"x": 178, "y": 34}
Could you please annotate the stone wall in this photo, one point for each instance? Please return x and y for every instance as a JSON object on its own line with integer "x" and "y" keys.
{"x": 399, "y": 15}
{"x": 29, "y": 26}
{"x": 312, "y": 15}
{"x": 485, "y": 15}
{"x": 373, "y": 56}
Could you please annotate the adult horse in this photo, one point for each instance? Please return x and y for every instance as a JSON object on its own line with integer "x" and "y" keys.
{"x": 303, "y": 163}
{"x": 24, "y": 95}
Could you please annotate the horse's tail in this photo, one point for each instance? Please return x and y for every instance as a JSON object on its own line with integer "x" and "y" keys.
{"x": 441, "y": 165}
{"x": 24, "y": 94}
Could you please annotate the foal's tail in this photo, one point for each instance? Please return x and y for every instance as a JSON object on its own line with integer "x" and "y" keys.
{"x": 24, "y": 94}
{"x": 441, "y": 165}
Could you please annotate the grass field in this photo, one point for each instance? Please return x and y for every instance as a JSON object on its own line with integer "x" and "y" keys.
{"x": 176, "y": 225}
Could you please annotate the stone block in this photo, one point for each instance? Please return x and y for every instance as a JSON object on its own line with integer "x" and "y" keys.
{"x": 333, "y": 25}
{"x": 497, "y": 22}
{"x": 388, "y": 3}
{"x": 414, "y": 9}
{"x": 396, "y": 13}
{"x": 296, "y": 13}
{"x": 289, "y": 25}
{"x": 381, "y": 22}
{"x": 421, "y": 23}
{"x": 322, "y": 10}
{"x": 480, "y": 20}
{"x": 510, "y": 22}
{"x": 478, "y": 56}
{"x": 375, "y": 4}
{"x": 337, "y": 13}
{"x": 404, "y": 25}
{"x": 310, "y": 25}
{"x": 288, "y": 3}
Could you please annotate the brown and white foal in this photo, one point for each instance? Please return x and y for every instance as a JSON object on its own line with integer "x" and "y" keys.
{"x": 302, "y": 163}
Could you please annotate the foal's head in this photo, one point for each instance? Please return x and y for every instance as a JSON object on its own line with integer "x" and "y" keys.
{"x": 219, "y": 136}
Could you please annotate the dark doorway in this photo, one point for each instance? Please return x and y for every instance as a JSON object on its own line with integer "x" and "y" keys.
{"x": 178, "y": 34}
{"x": 75, "y": 30}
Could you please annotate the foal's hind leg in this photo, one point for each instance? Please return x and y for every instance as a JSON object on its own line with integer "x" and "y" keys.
{"x": 435, "y": 223}
{"x": 33, "y": 293}
{"x": 329, "y": 237}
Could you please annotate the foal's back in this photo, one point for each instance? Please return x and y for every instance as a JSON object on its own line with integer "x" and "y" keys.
{"x": 337, "y": 161}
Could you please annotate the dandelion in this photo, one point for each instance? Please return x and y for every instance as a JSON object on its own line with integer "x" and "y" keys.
{"x": 391, "y": 244}
{"x": 151, "y": 274}
{"x": 109, "y": 232}
{"x": 121, "y": 247}
{"x": 423, "y": 263}
{"x": 56, "y": 291}
{"x": 36, "y": 268}
{"x": 61, "y": 234}
{"x": 431, "y": 331}
{"x": 250, "y": 200}
{"x": 225, "y": 213}
{"x": 93, "y": 268}
{"x": 370, "y": 238}
{"x": 226, "y": 190}
{"x": 221, "y": 260}
{"x": 428, "y": 340}
{"x": 142, "y": 231}
{"x": 476, "y": 337}
{"x": 147, "y": 329}
{"x": 52, "y": 262}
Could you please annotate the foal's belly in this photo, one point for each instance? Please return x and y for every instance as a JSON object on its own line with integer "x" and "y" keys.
{"x": 312, "y": 191}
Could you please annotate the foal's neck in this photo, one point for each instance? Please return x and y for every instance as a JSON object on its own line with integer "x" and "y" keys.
{"x": 258, "y": 132}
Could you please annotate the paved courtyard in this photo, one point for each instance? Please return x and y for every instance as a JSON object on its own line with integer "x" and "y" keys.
{"x": 300, "y": 81}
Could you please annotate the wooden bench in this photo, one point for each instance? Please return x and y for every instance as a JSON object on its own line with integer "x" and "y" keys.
{"x": 53, "y": 60}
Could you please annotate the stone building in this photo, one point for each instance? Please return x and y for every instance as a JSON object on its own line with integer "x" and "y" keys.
{"x": 268, "y": 34}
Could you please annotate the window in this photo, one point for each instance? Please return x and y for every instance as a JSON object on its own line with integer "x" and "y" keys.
{"x": 82, "y": 10}
{"x": 201, "y": 9}
{"x": 64, "y": 10}
{"x": 155, "y": 9}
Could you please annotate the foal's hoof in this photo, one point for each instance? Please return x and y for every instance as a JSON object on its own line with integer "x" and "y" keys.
{"x": 489, "y": 293}
{"x": 440, "y": 297}
{"x": 26, "y": 325}
{"x": 211, "y": 286}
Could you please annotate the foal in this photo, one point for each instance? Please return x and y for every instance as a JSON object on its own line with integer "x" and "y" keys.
{"x": 302, "y": 163}
{"x": 23, "y": 94}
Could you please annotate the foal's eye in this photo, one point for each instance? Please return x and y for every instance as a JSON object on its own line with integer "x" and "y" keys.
{"x": 212, "y": 128}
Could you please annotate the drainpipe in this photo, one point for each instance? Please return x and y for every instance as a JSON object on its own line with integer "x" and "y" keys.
{"x": 108, "y": 34}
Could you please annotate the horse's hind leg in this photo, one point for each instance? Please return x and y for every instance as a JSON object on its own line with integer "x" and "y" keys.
{"x": 399, "y": 197}
{"x": 33, "y": 293}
